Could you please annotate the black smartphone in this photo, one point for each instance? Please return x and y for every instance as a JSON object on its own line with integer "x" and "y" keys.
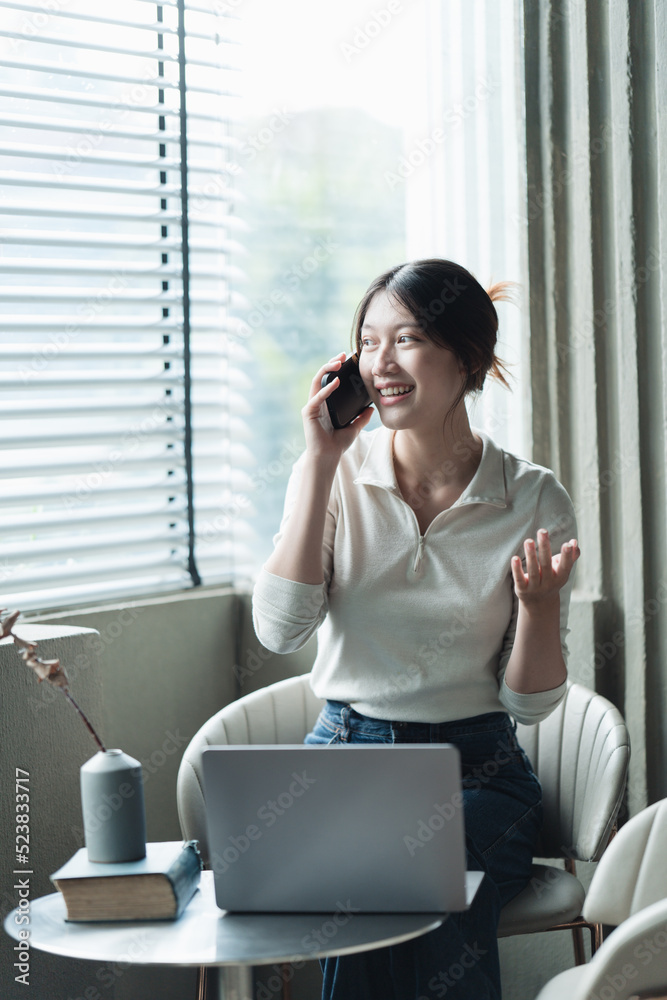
{"x": 350, "y": 398}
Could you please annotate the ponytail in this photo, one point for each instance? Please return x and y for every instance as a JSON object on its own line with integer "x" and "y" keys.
{"x": 501, "y": 291}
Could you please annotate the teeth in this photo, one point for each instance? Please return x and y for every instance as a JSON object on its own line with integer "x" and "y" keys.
{"x": 395, "y": 390}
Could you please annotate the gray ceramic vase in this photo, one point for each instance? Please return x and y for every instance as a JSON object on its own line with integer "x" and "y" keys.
{"x": 112, "y": 802}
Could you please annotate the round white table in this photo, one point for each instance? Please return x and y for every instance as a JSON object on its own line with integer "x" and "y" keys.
{"x": 205, "y": 936}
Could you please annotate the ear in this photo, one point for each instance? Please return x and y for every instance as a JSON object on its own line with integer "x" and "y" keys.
{"x": 473, "y": 371}
{"x": 465, "y": 372}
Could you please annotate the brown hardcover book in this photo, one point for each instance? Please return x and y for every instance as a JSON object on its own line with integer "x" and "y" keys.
{"x": 157, "y": 887}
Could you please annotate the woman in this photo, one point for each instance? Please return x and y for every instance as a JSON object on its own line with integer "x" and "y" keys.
{"x": 422, "y": 552}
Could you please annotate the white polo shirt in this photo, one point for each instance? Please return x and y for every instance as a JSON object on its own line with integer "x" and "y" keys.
{"x": 416, "y": 627}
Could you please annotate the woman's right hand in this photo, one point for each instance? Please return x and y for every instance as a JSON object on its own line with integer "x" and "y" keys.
{"x": 322, "y": 440}
{"x": 298, "y": 553}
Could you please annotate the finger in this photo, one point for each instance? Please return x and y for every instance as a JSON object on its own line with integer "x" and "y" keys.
{"x": 532, "y": 564}
{"x": 357, "y": 424}
{"x": 569, "y": 554}
{"x": 331, "y": 366}
{"x": 366, "y": 413}
{"x": 318, "y": 397}
{"x": 544, "y": 549}
{"x": 363, "y": 418}
{"x": 520, "y": 580}
{"x": 332, "y": 363}
{"x": 572, "y": 549}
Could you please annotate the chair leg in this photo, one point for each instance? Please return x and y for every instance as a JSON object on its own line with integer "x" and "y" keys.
{"x": 577, "y": 935}
{"x": 578, "y": 944}
{"x": 596, "y": 937}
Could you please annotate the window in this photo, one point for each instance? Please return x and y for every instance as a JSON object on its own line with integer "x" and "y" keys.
{"x": 157, "y": 343}
{"x": 371, "y": 133}
{"x": 122, "y": 393}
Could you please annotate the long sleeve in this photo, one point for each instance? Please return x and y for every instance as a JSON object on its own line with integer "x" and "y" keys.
{"x": 529, "y": 709}
{"x": 287, "y": 613}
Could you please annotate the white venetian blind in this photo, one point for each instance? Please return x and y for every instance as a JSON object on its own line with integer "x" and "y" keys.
{"x": 121, "y": 403}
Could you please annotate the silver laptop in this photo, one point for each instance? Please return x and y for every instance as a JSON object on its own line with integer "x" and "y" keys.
{"x": 309, "y": 828}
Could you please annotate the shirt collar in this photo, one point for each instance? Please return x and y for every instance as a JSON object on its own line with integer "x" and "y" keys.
{"x": 486, "y": 486}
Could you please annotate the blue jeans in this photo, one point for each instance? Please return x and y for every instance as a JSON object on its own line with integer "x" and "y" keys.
{"x": 503, "y": 813}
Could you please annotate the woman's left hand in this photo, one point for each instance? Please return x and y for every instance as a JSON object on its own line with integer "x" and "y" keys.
{"x": 545, "y": 573}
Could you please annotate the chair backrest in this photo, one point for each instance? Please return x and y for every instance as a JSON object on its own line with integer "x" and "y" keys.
{"x": 632, "y": 873}
{"x": 280, "y": 713}
{"x": 631, "y": 962}
{"x": 580, "y": 753}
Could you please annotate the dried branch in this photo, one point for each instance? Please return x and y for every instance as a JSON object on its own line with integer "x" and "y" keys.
{"x": 46, "y": 670}
{"x": 7, "y": 624}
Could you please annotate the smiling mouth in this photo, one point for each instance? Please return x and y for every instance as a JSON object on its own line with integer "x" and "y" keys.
{"x": 396, "y": 390}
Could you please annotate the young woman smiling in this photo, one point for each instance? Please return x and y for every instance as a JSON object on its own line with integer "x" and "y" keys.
{"x": 421, "y": 553}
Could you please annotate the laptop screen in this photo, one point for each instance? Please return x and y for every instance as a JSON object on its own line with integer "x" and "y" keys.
{"x": 313, "y": 828}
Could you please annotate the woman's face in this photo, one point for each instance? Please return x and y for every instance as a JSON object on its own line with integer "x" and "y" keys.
{"x": 412, "y": 381}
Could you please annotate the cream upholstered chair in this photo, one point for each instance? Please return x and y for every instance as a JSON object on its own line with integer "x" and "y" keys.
{"x": 628, "y": 892}
{"x": 580, "y": 753}
{"x": 280, "y": 713}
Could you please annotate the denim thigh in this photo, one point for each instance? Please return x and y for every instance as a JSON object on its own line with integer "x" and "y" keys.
{"x": 502, "y": 795}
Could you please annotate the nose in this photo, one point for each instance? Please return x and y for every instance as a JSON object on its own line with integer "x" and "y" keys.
{"x": 384, "y": 361}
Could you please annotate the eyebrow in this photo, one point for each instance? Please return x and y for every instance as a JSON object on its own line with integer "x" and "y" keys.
{"x": 396, "y": 326}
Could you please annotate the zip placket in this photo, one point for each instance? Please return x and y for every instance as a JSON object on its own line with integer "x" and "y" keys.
{"x": 420, "y": 554}
{"x": 439, "y": 517}
{"x": 422, "y": 538}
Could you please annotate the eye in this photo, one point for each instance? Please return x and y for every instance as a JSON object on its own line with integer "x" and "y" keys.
{"x": 407, "y": 336}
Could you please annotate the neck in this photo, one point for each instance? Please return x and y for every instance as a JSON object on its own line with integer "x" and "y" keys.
{"x": 445, "y": 456}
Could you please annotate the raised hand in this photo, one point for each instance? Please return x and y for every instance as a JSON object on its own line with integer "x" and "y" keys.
{"x": 545, "y": 573}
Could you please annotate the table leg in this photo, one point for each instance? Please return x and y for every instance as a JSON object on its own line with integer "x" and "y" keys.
{"x": 226, "y": 982}
{"x": 202, "y": 975}
{"x": 235, "y": 982}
